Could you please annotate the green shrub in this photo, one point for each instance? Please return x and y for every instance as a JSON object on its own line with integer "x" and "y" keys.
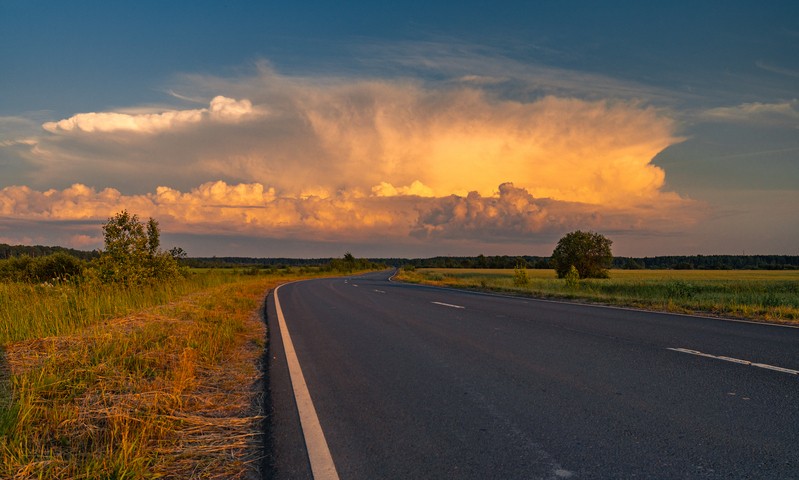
{"x": 50, "y": 268}
{"x": 572, "y": 277}
{"x": 132, "y": 255}
{"x": 520, "y": 278}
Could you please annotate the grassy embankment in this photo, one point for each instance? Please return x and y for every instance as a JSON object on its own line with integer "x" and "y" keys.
{"x": 750, "y": 294}
{"x": 97, "y": 382}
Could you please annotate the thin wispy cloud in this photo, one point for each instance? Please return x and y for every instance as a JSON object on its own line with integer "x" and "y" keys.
{"x": 777, "y": 69}
{"x": 784, "y": 113}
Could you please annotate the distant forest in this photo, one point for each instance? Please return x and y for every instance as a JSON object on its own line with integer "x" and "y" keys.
{"x": 698, "y": 262}
{"x": 687, "y": 262}
{"x": 8, "y": 251}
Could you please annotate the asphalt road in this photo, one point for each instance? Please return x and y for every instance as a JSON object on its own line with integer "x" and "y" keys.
{"x": 413, "y": 382}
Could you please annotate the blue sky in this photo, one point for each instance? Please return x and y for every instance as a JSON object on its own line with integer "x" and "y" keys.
{"x": 671, "y": 127}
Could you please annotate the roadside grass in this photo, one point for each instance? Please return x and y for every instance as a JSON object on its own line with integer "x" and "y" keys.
{"x": 750, "y": 294}
{"x": 162, "y": 385}
{"x": 50, "y": 309}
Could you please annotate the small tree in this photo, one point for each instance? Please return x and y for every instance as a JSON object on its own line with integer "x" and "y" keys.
{"x": 132, "y": 254}
{"x": 588, "y": 252}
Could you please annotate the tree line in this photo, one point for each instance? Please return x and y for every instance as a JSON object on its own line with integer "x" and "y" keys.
{"x": 683, "y": 262}
{"x": 33, "y": 258}
{"x": 710, "y": 262}
{"x": 8, "y": 251}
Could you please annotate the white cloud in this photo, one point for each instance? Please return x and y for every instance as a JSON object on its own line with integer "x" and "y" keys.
{"x": 221, "y": 109}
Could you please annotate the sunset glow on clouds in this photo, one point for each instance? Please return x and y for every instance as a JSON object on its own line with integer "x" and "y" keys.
{"x": 403, "y": 129}
{"x": 274, "y": 156}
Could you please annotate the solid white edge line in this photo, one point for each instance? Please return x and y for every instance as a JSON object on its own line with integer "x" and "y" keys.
{"x": 322, "y": 466}
{"x": 736, "y": 360}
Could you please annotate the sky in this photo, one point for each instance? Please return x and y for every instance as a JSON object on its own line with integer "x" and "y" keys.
{"x": 402, "y": 129}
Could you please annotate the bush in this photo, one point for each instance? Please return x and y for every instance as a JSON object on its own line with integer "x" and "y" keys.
{"x": 56, "y": 267}
{"x": 520, "y": 278}
{"x": 572, "y": 277}
{"x": 132, "y": 255}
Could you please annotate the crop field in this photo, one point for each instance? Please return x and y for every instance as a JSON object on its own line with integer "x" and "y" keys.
{"x": 145, "y": 382}
{"x": 750, "y": 294}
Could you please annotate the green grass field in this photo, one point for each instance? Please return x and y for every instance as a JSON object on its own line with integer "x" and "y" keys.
{"x": 751, "y": 294}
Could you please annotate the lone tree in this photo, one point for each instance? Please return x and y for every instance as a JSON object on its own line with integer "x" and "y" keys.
{"x": 588, "y": 252}
{"x": 132, "y": 255}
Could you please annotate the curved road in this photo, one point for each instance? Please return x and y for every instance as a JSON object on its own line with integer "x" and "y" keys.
{"x": 414, "y": 382}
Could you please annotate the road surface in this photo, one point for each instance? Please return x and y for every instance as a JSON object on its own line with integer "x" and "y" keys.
{"x": 414, "y": 382}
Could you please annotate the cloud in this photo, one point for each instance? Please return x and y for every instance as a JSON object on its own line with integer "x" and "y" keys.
{"x": 776, "y": 69}
{"x": 515, "y": 214}
{"x": 785, "y": 113}
{"x": 221, "y": 109}
{"x": 292, "y": 157}
{"x": 254, "y": 211}
{"x": 325, "y": 135}
{"x": 417, "y": 188}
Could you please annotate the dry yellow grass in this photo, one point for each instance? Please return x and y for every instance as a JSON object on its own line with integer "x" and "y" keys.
{"x": 169, "y": 392}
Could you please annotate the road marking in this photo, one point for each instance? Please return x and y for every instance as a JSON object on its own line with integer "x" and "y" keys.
{"x": 736, "y": 360}
{"x": 448, "y": 305}
{"x": 379, "y": 291}
{"x": 322, "y": 466}
{"x": 354, "y": 285}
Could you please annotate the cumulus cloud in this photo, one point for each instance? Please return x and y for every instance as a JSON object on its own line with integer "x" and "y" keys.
{"x": 221, "y": 109}
{"x": 218, "y": 208}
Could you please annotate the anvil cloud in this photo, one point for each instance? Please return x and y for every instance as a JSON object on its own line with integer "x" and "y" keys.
{"x": 277, "y": 156}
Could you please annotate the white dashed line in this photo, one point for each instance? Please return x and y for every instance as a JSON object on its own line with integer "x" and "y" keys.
{"x": 736, "y": 360}
{"x": 447, "y": 305}
{"x": 379, "y": 291}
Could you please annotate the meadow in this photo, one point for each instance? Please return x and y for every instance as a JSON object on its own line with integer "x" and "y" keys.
{"x": 160, "y": 381}
{"x": 749, "y": 294}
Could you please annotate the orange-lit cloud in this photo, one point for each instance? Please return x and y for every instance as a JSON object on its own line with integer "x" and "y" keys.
{"x": 274, "y": 156}
{"x": 256, "y": 211}
{"x": 325, "y": 136}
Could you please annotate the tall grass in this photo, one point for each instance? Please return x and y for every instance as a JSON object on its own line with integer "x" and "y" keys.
{"x": 758, "y": 295}
{"x": 50, "y": 309}
{"x": 145, "y": 383}
{"x": 164, "y": 392}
